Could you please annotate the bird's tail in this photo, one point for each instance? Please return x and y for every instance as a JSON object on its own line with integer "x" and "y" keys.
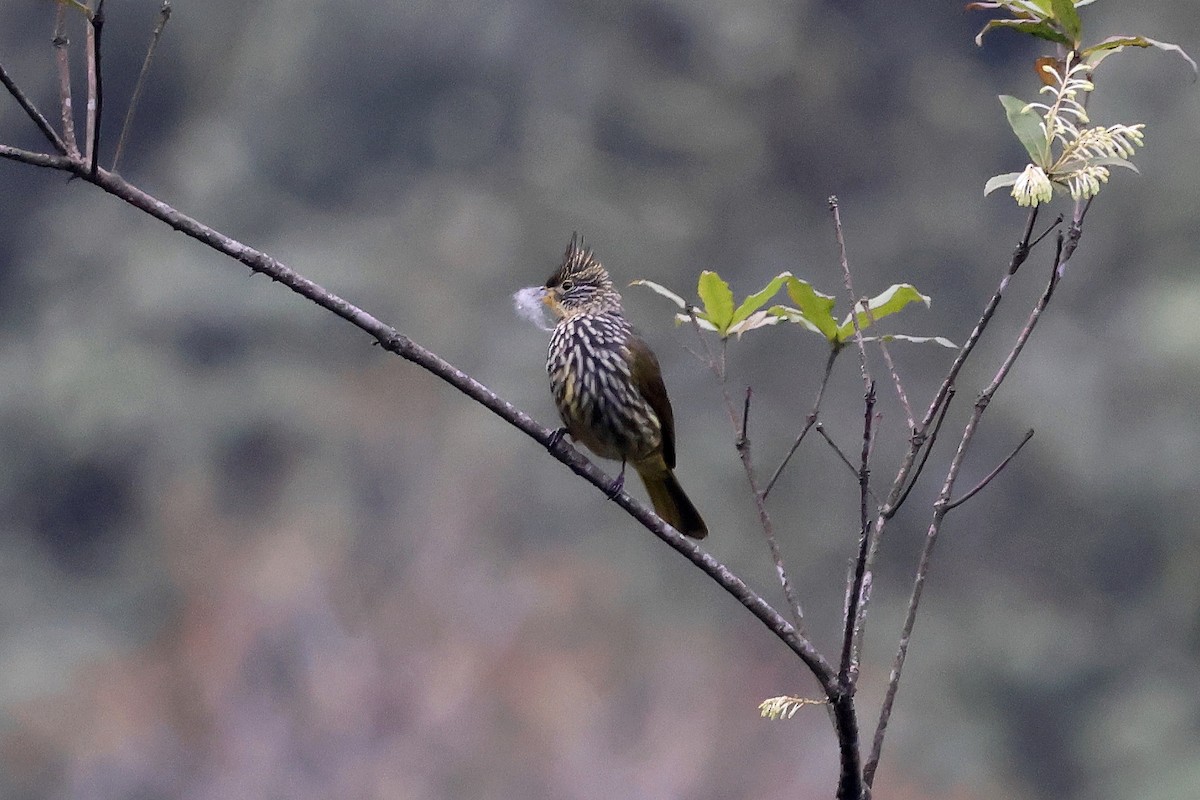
{"x": 672, "y": 504}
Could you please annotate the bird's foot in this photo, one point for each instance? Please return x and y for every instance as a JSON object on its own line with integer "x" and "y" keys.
{"x": 618, "y": 484}
{"x": 556, "y": 437}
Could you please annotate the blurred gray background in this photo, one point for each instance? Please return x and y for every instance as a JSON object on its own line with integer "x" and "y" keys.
{"x": 246, "y": 554}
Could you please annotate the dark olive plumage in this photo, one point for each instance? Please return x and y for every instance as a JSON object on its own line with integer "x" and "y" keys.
{"x": 608, "y": 386}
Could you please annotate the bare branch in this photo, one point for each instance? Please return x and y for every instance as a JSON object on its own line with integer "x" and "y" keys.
{"x": 888, "y": 508}
{"x": 395, "y": 342}
{"x": 744, "y": 437}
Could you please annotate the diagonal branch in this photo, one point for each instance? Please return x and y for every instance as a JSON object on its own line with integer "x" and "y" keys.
{"x": 395, "y": 342}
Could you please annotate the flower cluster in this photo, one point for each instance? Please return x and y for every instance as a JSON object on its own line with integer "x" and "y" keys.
{"x": 1084, "y": 153}
{"x": 1065, "y": 152}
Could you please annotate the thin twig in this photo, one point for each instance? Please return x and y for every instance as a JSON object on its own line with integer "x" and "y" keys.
{"x": 745, "y": 435}
{"x": 809, "y": 421}
{"x": 31, "y": 110}
{"x": 95, "y": 86}
{"x": 942, "y": 506}
{"x": 991, "y": 475}
{"x": 764, "y": 516}
{"x": 845, "y": 264}
{"x": 89, "y": 133}
{"x": 819, "y": 428}
{"x": 164, "y": 14}
{"x": 848, "y": 672}
{"x": 887, "y": 359}
{"x": 62, "y": 57}
{"x": 929, "y": 443}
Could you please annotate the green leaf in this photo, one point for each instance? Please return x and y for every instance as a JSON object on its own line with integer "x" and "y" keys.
{"x": 1028, "y": 126}
{"x": 816, "y": 308}
{"x": 1115, "y": 44}
{"x": 757, "y": 300}
{"x": 660, "y": 289}
{"x": 718, "y": 300}
{"x": 884, "y": 304}
{"x": 1000, "y": 181}
{"x": 1038, "y": 28}
{"x": 1068, "y": 17}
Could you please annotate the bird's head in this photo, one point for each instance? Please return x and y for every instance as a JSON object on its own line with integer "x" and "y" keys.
{"x": 580, "y": 285}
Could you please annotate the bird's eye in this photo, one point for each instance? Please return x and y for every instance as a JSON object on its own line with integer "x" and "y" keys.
{"x": 567, "y": 285}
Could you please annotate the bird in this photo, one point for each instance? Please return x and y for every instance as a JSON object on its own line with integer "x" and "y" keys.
{"x": 608, "y": 386}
